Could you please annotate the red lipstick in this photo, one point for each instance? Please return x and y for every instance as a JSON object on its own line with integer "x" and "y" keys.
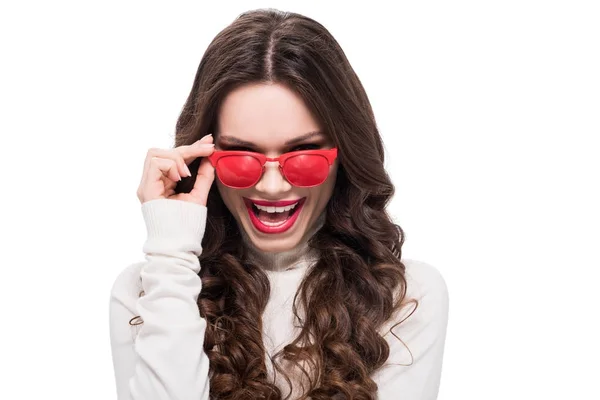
{"x": 284, "y": 226}
{"x": 281, "y": 203}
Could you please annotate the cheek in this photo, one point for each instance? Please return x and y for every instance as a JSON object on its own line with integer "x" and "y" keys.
{"x": 228, "y": 195}
{"x": 330, "y": 183}
{"x": 324, "y": 191}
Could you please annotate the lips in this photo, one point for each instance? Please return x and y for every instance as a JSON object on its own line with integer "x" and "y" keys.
{"x": 265, "y": 203}
{"x": 284, "y": 226}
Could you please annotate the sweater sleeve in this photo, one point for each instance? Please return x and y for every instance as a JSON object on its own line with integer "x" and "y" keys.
{"x": 414, "y": 366}
{"x": 163, "y": 357}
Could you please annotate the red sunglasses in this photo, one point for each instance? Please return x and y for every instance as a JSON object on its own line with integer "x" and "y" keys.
{"x": 243, "y": 169}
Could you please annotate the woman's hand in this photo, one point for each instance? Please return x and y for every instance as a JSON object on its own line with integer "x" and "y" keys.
{"x": 163, "y": 168}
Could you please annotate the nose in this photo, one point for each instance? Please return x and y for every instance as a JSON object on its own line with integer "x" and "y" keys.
{"x": 272, "y": 182}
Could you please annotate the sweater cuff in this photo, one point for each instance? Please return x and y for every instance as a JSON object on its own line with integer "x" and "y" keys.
{"x": 169, "y": 219}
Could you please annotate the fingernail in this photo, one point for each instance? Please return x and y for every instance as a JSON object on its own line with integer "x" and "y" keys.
{"x": 187, "y": 170}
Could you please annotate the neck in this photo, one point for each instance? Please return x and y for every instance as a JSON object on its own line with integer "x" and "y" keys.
{"x": 300, "y": 256}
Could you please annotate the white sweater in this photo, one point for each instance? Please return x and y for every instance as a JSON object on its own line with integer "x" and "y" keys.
{"x": 163, "y": 358}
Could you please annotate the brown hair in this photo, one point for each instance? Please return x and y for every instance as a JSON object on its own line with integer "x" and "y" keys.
{"x": 358, "y": 283}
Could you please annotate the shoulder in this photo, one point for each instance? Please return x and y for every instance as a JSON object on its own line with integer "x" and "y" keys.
{"x": 127, "y": 286}
{"x": 423, "y": 280}
{"x": 416, "y": 336}
{"x": 426, "y": 301}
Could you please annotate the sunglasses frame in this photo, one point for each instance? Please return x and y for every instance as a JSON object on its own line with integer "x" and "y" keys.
{"x": 329, "y": 154}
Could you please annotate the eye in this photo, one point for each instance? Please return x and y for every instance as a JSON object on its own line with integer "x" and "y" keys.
{"x": 307, "y": 146}
{"x": 237, "y": 148}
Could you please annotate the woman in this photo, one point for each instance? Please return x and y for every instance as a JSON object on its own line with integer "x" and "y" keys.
{"x": 283, "y": 277}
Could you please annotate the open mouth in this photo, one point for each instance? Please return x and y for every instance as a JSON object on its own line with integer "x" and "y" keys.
{"x": 274, "y": 219}
{"x": 274, "y": 215}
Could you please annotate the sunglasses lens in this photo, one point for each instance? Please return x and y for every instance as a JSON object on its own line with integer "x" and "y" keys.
{"x": 306, "y": 170}
{"x": 239, "y": 171}
{"x": 244, "y": 171}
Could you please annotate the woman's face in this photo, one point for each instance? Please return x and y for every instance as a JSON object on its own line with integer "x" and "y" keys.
{"x": 272, "y": 120}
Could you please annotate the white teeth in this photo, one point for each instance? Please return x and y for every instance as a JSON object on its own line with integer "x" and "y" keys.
{"x": 275, "y": 209}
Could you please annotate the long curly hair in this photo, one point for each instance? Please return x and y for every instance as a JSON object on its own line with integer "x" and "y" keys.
{"x": 359, "y": 282}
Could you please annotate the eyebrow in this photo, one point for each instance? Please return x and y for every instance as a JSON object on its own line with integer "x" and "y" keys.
{"x": 231, "y": 140}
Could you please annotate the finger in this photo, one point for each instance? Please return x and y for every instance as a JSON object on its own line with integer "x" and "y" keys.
{"x": 170, "y": 154}
{"x": 182, "y": 155}
{"x": 201, "y": 148}
{"x": 162, "y": 167}
{"x": 206, "y": 138}
{"x": 169, "y": 188}
{"x": 169, "y": 184}
{"x": 157, "y": 180}
{"x": 204, "y": 180}
{"x": 152, "y": 152}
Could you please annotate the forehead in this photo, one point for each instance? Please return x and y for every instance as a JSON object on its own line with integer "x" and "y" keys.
{"x": 267, "y": 114}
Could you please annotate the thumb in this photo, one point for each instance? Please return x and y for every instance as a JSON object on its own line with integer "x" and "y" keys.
{"x": 204, "y": 180}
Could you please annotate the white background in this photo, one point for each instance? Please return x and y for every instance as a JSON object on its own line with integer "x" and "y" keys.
{"x": 490, "y": 111}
